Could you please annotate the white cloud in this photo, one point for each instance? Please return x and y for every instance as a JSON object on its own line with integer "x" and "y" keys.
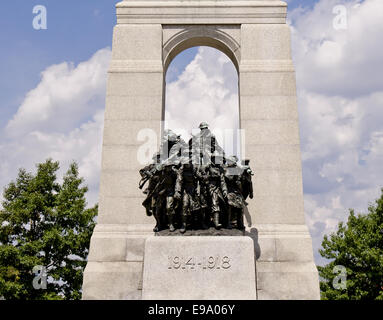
{"x": 61, "y": 118}
{"x": 64, "y": 98}
{"x": 207, "y": 90}
{"x": 339, "y": 62}
{"x": 340, "y": 95}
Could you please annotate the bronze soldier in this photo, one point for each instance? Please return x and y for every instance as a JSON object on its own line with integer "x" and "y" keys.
{"x": 202, "y": 195}
{"x": 217, "y": 191}
{"x": 203, "y": 145}
{"x": 152, "y": 174}
{"x": 187, "y": 188}
{"x": 168, "y": 140}
{"x": 246, "y": 180}
{"x": 179, "y": 150}
{"x": 166, "y": 192}
{"x": 193, "y": 186}
{"x": 235, "y": 199}
{"x": 186, "y": 191}
{"x": 147, "y": 172}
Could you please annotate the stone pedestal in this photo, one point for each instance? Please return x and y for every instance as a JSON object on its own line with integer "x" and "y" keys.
{"x": 199, "y": 268}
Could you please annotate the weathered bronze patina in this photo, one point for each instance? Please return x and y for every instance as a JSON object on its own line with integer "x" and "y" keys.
{"x": 194, "y": 186}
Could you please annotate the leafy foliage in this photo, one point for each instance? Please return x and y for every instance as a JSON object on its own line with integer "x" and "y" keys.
{"x": 358, "y": 246}
{"x": 44, "y": 223}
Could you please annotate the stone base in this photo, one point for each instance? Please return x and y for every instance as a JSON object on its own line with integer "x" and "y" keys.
{"x": 285, "y": 267}
{"x": 285, "y": 264}
{"x": 115, "y": 262}
{"x": 199, "y": 268}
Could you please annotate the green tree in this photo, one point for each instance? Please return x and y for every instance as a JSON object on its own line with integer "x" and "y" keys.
{"x": 44, "y": 223}
{"x": 358, "y": 246}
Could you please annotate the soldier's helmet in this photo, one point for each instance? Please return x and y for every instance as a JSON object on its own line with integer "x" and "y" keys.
{"x": 172, "y": 137}
{"x": 169, "y": 135}
{"x": 232, "y": 160}
{"x": 203, "y": 125}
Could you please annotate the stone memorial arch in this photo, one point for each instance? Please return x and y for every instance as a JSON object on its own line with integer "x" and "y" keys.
{"x": 255, "y": 36}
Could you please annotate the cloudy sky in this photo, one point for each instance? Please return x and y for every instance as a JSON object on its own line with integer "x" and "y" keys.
{"x": 52, "y": 91}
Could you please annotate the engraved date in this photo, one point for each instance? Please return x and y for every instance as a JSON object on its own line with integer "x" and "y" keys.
{"x": 193, "y": 263}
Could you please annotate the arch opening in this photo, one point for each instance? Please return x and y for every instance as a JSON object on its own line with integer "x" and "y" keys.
{"x": 171, "y": 50}
{"x": 202, "y": 85}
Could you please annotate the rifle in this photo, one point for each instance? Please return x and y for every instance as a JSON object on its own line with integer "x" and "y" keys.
{"x": 143, "y": 181}
{"x": 151, "y": 193}
{"x": 146, "y": 175}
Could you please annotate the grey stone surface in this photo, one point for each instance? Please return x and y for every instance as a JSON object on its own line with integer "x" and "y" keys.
{"x": 133, "y": 108}
{"x": 220, "y": 268}
{"x": 112, "y": 280}
{"x": 255, "y": 83}
{"x": 271, "y": 132}
{"x": 287, "y": 281}
{"x": 269, "y": 107}
{"x": 266, "y": 42}
{"x": 285, "y": 266}
{"x": 281, "y": 157}
{"x": 201, "y": 12}
{"x": 123, "y": 212}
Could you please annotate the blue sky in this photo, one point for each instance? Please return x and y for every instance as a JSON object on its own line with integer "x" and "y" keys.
{"x": 76, "y": 29}
{"x": 47, "y": 76}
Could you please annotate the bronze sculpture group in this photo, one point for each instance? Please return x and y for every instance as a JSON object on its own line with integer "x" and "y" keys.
{"x": 194, "y": 185}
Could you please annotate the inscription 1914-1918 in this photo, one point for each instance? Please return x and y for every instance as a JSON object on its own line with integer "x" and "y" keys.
{"x": 204, "y": 263}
